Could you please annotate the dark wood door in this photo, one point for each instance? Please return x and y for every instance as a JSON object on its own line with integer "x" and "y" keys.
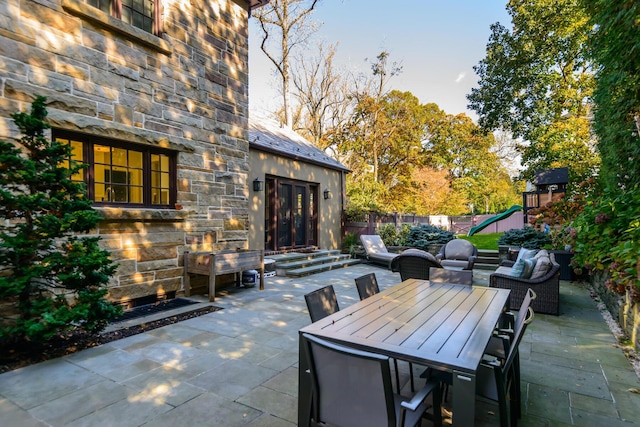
{"x": 291, "y": 214}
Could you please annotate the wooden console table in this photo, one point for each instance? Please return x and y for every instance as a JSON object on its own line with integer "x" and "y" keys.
{"x": 214, "y": 264}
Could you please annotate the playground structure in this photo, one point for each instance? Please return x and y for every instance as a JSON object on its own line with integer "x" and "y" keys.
{"x": 489, "y": 221}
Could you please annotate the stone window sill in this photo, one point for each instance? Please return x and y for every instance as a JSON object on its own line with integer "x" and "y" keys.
{"x": 142, "y": 214}
{"x": 82, "y": 10}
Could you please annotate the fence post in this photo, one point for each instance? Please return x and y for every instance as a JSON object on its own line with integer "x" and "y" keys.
{"x": 370, "y": 223}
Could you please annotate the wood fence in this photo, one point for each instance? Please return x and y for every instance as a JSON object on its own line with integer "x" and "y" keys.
{"x": 370, "y": 223}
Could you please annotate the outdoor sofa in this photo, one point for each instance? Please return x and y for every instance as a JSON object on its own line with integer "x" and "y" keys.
{"x": 545, "y": 281}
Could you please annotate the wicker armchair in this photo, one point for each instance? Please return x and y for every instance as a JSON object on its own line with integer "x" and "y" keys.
{"x": 414, "y": 264}
{"x": 458, "y": 254}
{"x": 547, "y": 287}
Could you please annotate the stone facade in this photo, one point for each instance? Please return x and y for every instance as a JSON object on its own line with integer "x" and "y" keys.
{"x": 622, "y": 308}
{"x": 186, "y": 91}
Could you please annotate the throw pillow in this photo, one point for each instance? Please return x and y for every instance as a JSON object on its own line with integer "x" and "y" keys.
{"x": 542, "y": 253}
{"x": 523, "y": 268}
{"x": 526, "y": 254}
{"x": 529, "y": 265}
{"x": 517, "y": 268}
{"x": 543, "y": 265}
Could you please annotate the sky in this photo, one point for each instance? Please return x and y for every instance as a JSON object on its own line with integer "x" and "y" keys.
{"x": 437, "y": 43}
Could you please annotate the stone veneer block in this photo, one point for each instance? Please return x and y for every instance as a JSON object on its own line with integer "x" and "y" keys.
{"x": 104, "y": 77}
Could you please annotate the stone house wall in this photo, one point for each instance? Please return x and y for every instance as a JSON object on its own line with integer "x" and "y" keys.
{"x": 186, "y": 91}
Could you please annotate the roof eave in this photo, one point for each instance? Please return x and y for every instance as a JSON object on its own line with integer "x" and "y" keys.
{"x": 297, "y": 158}
{"x": 254, "y": 4}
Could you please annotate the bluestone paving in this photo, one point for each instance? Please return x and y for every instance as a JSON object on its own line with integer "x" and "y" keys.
{"x": 547, "y": 402}
{"x": 239, "y": 367}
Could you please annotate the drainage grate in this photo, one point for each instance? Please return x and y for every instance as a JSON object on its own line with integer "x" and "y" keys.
{"x": 145, "y": 310}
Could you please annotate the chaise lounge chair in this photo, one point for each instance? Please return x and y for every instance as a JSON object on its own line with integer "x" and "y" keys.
{"x": 376, "y": 250}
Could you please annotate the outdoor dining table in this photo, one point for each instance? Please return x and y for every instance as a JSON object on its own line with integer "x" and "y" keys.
{"x": 440, "y": 325}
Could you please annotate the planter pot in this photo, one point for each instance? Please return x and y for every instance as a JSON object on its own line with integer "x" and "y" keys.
{"x": 564, "y": 259}
{"x": 512, "y": 252}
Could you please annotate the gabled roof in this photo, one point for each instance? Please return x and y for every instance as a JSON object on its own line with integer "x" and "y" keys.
{"x": 552, "y": 176}
{"x": 267, "y": 135}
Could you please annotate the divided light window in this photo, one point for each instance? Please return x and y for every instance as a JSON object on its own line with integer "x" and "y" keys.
{"x": 123, "y": 174}
{"x": 144, "y": 14}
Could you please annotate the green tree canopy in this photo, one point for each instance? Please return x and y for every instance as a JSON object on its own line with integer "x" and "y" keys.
{"x": 616, "y": 49}
{"x": 536, "y": 82}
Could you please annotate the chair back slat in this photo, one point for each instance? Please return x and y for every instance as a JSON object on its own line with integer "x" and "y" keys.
{"x": 321, "y": 303}
{"x": 367, "y": 285}
{"x": 443, "y": 275}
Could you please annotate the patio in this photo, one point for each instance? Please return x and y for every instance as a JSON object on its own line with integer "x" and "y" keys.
{"x": 238, "y": 366}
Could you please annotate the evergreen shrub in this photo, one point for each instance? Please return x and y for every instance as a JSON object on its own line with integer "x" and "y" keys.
{"x": 52, "y": 277}
{"x": 526, "y": 237}
{"x": 423, "y": 235}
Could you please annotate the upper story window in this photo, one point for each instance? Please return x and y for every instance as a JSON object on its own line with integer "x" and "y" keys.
{"x": 123, "y": 174}
{"x": 144, "y": 14}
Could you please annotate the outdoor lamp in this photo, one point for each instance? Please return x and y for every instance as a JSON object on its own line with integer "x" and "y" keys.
{"x": 327, "y": 194}
{"x": 258, "y": 184}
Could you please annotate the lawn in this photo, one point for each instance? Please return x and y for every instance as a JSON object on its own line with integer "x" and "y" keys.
{"x": 483, "y": 241}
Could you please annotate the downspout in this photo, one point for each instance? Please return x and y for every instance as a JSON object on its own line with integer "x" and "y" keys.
{"x": 343, "y": 196}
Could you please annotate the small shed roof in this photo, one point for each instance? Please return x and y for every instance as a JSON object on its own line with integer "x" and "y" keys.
{"x": 552, "y": 176}
{"x": 267, "y": 135}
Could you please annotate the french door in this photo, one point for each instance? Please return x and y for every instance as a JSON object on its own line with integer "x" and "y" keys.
{"x": 290, "y": 214}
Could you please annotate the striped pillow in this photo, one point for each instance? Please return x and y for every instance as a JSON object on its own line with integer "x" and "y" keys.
{"x": 543, "y": 265}
{"x": 523, "y": 268}
{"x": 529, "y": 265}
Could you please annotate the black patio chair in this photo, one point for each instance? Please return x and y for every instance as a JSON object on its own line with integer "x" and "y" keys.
{"x": 458, "y": 253}
{"x": 367, "y": 285}
{"x": 321, "y": 303}
{"x": 414, "y": 264}
{"x": 353, "y": 388}
{"x": 497, "y": 378}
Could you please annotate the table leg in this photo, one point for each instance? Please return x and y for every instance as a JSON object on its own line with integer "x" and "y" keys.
{"x": 464, "y": 399}
{"x": 304, "y": 385}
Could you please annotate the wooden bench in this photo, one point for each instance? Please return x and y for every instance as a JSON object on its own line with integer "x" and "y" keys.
{"x": 214, "y": 264}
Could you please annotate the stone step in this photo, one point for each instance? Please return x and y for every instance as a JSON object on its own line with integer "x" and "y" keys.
{"x": 302, "y": 264}
{"x": 487, "y": 260}
{"x": 489, "y": 253}
{"x": 482, "y": 266}
{"x": 297, "y": 256}
{"x": 318, "y": 268}
{"x": 292, "y": 265}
